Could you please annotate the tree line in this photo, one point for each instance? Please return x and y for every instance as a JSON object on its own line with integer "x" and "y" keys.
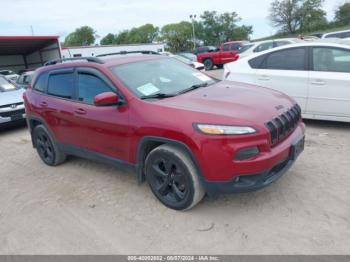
{"x": 211, "y": 28}
{"x": 305, "y": 16}
{"x": 289, "y": 17}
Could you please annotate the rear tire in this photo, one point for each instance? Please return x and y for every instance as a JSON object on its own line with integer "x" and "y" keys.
{"x": 46, "y": 147}
{"x": 208, "y": 64}
{"x": 173, "y": 178}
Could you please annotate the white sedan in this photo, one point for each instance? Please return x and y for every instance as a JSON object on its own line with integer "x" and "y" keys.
{"x": 316, "y": 75}
{"x": 256, "y": 47}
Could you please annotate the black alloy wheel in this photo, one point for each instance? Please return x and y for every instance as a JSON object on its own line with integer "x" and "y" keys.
{"x": 173, "y": 178}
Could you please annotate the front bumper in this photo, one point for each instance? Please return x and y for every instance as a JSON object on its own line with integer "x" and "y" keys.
{"x": 9, "y": 115}
{"x": 267, "y": 168}
{"x": 252, "y": 182}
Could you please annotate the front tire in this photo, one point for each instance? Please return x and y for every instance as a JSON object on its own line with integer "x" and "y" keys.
{"x": 173, "y": 178}
{"x": 208, "y": 64}
{"x": 46, "y": 147}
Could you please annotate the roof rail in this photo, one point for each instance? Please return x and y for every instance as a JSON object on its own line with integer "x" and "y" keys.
{"x": 145, "y": 52}
{"x": 89, "y": 59}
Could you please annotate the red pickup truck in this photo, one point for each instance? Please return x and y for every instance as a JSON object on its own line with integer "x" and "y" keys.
{"x": 227, "y": 52}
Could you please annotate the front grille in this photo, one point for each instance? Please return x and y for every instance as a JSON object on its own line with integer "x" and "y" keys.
{"x": 12, "y": 113}
{"x": 281, "y": 126}
{"x": 9, "y": 105}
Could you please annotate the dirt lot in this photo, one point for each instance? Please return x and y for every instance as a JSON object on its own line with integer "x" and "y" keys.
{"x": 85, "y": 207}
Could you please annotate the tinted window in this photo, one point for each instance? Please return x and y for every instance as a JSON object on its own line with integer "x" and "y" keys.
{"x": 263, "y": 47}
{"x": 257, "y": 61}
{"x": 290, "y": 59}
{"x": 89, "y": 86}
{"x": 236, "y": 46}
{"x": 20, "y": 80}
{"x": 339, "y": 35}
{"x": 61, "y": 85}
{"x": 331, "y": 59}
{"x": 244, "y": 48}
{"x": 41, "y": 82}
{"x": 226, "y": 47}
{"x": 281, "y": 43}
{"x": 27, "y": 79}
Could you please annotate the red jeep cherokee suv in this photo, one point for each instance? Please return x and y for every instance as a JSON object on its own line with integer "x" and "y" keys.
{"x": 184, "y": 132}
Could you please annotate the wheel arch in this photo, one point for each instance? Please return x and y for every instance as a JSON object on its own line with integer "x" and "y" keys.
{"x": 148, "y": 143}
{"x": 35, "y": 121}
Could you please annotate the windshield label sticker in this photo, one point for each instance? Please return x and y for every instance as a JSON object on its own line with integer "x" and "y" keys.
{"x": 202, "y": 77}
{"x": 7, "y": 86}
{"x": 148, "y": 89}
{"x": 164, "y": 80}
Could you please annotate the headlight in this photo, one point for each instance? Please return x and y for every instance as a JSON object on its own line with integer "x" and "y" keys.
{"x": 224, "y": 130}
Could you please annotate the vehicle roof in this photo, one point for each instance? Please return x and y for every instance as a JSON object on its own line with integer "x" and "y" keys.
{"x": 108, "y": 61}
{"x": 336, "y": 32}
{"x": 278, "y": 39}
{"x": 315, "y": 43}
{"x": 238, "y": 41}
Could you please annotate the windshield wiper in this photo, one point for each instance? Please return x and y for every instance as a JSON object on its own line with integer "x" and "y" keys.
{"x": 158, "y": 95}
{"x": 193, "y": 87}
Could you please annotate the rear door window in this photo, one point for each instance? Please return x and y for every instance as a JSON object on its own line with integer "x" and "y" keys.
{"x": 289, "y": 59}
{"x": 61, "y": 85}
{"x": 331, "y": 59}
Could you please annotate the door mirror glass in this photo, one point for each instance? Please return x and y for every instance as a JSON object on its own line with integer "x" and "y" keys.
{"x": 106, "y": 99}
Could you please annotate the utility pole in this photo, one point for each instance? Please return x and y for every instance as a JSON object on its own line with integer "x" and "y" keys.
{"x": 32, "y": 30}
{"x": 193, "y": 17}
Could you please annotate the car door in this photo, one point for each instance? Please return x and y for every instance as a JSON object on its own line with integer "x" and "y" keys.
{"x": 101, "y": 129}
{"x": 56, "y": 106}
{"x": 329, "y": 87}
{"x": 286, "y": 71}
{"x": 228, "y": 54}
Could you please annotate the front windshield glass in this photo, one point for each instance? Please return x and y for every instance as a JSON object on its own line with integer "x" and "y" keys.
{"x": 161, "y": 76}
{"x": 6, "y": 85}
{"x": 6, "y": 72}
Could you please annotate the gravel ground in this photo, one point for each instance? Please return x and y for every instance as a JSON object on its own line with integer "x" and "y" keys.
{"x": 83, "y": 207}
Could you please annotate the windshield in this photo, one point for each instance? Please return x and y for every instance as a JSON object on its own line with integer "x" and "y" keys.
{"x": 6, "y": 72}
{"x": 6, "y": 85}
{"x": 161, "y": 76}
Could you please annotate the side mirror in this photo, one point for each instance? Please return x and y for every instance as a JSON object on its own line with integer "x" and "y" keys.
{"x": 106, "y": 99}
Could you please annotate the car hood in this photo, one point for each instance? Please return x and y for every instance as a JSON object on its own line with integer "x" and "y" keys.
{"x": 233, "y": 100}
{"x": 11, "y": 97}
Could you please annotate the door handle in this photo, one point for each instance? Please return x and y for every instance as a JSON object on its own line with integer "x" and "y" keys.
{"x": 264, "y": 77}
{"x": 80, "y": 111}
{"x": 318, "y": 82}
{"x": 43, "y": 104}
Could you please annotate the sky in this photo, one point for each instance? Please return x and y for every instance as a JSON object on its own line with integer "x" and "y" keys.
{"x": 60, "y": 17}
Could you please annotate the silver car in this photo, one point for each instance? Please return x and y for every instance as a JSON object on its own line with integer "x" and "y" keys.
{"x": 11, "y": 102}
{"x": 9, "y": 74}
{"x": 24, "y": 79}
